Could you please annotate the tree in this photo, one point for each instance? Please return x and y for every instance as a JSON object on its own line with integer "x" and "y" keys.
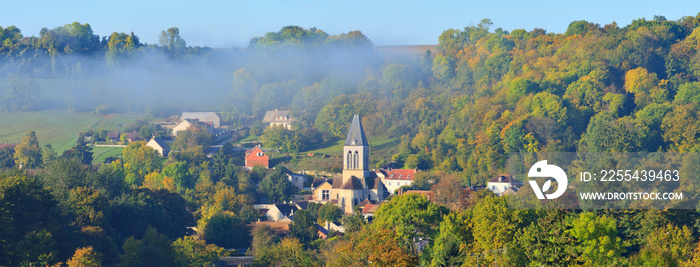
{"x": 277, "y": 187}
{"x": 139, "y": 160}
{"x": 370, "y": 247}
{"x": 190, "y": 251}
{"x": 20, "y": 95}
{"x": 154, "y": 249}
{"x": 80, "y": 151}
{"x": 411, "y": 216}
{"x": 226, "y": 230}
{"x": 85, "y": 257}
{"x": 27, "y": 210}
{"x": 179, "y": 172}
{"x": 354, "y": 222}
{"x": 48, "y": 155}
{"x": 330, "y": 212}
{"x": 171, "y": 42}
{"x": 28, "y": 153}
{"x": 597, "y": 239}
{"x": 304, "y": 227}
{"x": 666, "y": 246}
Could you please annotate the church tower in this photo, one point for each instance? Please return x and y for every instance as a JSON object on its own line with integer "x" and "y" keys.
{"x": 355, "y": 152}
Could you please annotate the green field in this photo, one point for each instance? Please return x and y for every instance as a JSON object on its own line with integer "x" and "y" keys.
{"x": 329, "y": 154}
{"x": 99, "y": 154}
{"x": 59, "y": 128}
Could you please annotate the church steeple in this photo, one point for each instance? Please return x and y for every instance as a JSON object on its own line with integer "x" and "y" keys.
{"x": 356, "y": 134}
{"x": 355, "y": 152}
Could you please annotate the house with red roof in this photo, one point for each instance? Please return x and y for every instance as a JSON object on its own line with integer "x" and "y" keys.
{"x": 395, "y": 178}
{"x": 256, "y": 157}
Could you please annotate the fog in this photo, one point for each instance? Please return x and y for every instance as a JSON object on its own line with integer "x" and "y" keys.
{"x": 160, "y": 82}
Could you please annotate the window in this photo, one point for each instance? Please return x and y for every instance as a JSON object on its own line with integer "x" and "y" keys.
{"x": 504, "y": 188}
{"x": 493, "y": 187}
{"x": 260, "y": 154}
{"x": 348, "y": 160}
{"x": 325, "y": 194}
{"x": 389, "y": 183}
{"x": 356, "y": 158}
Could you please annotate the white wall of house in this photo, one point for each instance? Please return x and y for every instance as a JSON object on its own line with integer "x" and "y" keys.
{"x": 498, "y": 187}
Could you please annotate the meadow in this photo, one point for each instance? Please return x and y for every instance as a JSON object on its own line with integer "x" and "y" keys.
{"x": 59, "y": 128}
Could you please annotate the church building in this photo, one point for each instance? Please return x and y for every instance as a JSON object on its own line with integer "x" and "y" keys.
{"x": 357, "y": 184}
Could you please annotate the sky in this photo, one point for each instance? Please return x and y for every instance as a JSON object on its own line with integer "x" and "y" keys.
{"x": 222, "y": 24}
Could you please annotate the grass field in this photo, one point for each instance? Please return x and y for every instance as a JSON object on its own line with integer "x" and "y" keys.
{"x": 59, "y": 128}
{"x": 99, "y": 154}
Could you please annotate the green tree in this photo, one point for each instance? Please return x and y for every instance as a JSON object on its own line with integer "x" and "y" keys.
{"x": 28, "y": 152}
{"x": 228, "y": 231}
{"x": 277, "y": 187}
{"x": 154, "y": 249}
{"x": 139, "y": 160}
{"x": 48, "y": 155}
{"x": 80, "y": 151}
{"x": 190, "y": 251}
{"x": 597, "y": 239}
{"x": 304, "y": 227}
{"x": 412, "y": 216}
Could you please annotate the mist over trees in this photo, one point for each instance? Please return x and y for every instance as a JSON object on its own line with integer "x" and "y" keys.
{"x": 457, "y": 112}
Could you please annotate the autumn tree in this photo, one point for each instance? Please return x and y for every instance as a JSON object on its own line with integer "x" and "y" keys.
{"x": 85, "y": 257}
{"x": 28, "y": 153}
{"x": 370, "y": 247}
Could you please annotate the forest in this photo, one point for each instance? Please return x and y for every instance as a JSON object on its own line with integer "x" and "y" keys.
{"x": 458, "y": 111}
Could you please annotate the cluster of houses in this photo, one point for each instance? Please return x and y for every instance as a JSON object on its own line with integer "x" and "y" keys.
{"x": 356, "y": 190}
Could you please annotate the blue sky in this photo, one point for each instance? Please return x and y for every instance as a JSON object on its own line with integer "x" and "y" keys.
{"x": 233, "y": 23}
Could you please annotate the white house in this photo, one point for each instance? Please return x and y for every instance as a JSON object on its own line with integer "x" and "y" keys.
{"x": 395, "y": 178}
{"x": 502, "y": 183}
{"x": 203, "y": 117}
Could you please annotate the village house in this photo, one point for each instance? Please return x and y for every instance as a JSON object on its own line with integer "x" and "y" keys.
{"x": 278, "y": 118}
{"x": 204, "y": 117}
{"x": 159, "y": 145}
{"x": 503, "y": 183}
{"x": 256, "y": 157}
{"x": 393, "y": 179}
{"x": 357, "y": 183}
{"x": 130, "y": 136}
{"x": 281, "y": 212}
{"x": 187, "y": 123}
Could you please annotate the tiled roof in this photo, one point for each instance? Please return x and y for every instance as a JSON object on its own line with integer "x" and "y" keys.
{"x": 277, "y": 116}
{"x": 352, "y": 184}
{"x": 9, "y": 145}
{"x": 401, "y": 174}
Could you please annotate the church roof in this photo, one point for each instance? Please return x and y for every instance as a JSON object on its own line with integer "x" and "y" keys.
{"x": 356, "y": 134}
{"x": 353, "y": 184}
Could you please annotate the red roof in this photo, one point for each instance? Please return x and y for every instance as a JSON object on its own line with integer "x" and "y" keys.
{"x": 256, "y": 157}
{"x": 401, "y": 174}
{"x": 12, "y": 145}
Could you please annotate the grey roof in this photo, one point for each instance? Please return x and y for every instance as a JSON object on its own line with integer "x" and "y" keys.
{"x": 161, "y": 143}
{"x": 197, "y": 115}
{"x": 356, "y": 134}
{"x": 286, "y": 209}
{"x": 272, "y": 116}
